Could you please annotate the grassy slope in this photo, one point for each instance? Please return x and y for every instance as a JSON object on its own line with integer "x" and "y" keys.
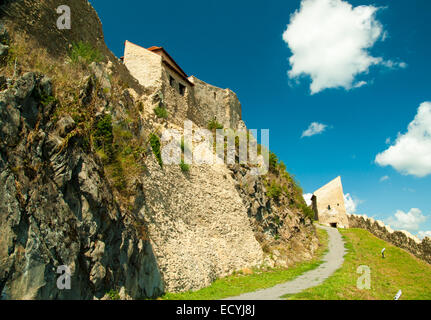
{"x": 239, "y": 283}
{"x": 399, "y": 270}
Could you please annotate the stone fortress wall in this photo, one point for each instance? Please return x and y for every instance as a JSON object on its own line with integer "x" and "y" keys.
{"x": 149, "y": 74}
{"x": 200, "y": 102}
{"x": 401, "y": 239}
{"x": 198, "y": 224}
{"x": 217, "y": 103}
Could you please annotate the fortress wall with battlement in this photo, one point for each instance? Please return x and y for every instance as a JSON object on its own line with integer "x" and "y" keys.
{"x": 401, "y": 239}
{"x": 217, "y": 103}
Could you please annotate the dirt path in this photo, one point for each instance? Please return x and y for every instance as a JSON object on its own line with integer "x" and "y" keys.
{"x": 333, "y": 260}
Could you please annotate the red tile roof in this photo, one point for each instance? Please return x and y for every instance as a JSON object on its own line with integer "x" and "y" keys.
{"x": 155, "y": 48}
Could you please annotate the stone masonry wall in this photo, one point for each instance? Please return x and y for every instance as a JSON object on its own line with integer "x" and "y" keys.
{"x": 201, "y": 103}
{"x": 144, "y": 65}
{"x": 178, "y": 106}
{"x": 198, "y": 225}
{"x": 401, "y": 239}
{"x": 330, "y": 204}
{"x": 213, "y": 102}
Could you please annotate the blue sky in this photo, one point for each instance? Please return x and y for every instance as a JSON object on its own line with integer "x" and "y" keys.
{"x": 239, "y": 45}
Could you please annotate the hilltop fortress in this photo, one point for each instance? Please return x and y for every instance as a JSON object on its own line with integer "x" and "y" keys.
{"x": 189, "y": 97}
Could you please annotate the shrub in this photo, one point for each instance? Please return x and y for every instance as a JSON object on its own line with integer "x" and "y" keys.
{"x": 84, "y": 52}
{"x": 155, "y": 146}
{"x": 47, "y": 100}
{"x": 307, "y": 211}
{"x": 272, "y": 162}
{"x": 213, "y": 125}
{"x": 184, "y": 166}
{"x": 103, "y": 136}
{"x": 118, "y": 175}
{"x": 161, "y": 112}
{"x": 113, "y": 294}
{"x": 282, "y": 167}
{"x": 273, "y": 190}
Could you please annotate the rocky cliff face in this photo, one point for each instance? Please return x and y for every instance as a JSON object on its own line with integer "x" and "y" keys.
{"x": 82, "y": 185}
{"x": 58, "y": 209}
{"x": 285, "y": 234}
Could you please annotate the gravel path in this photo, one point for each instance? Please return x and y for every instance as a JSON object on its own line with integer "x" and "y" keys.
{"x": 333, "y": 260}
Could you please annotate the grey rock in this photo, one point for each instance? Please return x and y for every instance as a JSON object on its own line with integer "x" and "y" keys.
{"x": 4, "y": 50}
{"x": 65, "y": 125}
{"x": 58, "y": 209}
{"x": 101, "y": 72}
{"x": 46, "y": 86}
{"x": 24, "y": 86}
{"x": 87, "y": 91}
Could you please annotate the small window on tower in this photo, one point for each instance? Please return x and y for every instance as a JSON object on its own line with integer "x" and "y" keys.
{"x": 329, "y": 207}
{"x": 215, "y": 95}
{"x": 182, "y": 89}
{"x": 171, "y": 81}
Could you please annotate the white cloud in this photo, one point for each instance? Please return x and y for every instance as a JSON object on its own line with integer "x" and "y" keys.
{"x": 423, "y": 234}
{"x": 360, "y": 84}
{"x": 392, "y": 64}
{"x": 313, "y": 129}
{"x": 411, "y": 153}
{"x": 329, "y": 40}
{"x": 409, "y": 221}
{"x": 384, "y": 178}
{"x": 307, "y": 198}
{"x": 350, "y": 203}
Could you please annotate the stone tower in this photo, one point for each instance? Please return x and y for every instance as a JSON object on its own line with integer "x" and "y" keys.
{"x": 328, "y": 205}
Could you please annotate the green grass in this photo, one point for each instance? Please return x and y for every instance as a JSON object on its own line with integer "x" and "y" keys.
{"x": 155, "y": 146}
{"x": 273, "y": 190}
{"x": 104, "y": 137}
{"x": 84, "y": 52}
{"x": 184, "y": 166}
{"x": 399, "y": 270}
{"x": 113, "y": 295}
{"x": 239, "y": 283}
{"x": 161, "y": 112}
{"x": 214, "y": 125}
